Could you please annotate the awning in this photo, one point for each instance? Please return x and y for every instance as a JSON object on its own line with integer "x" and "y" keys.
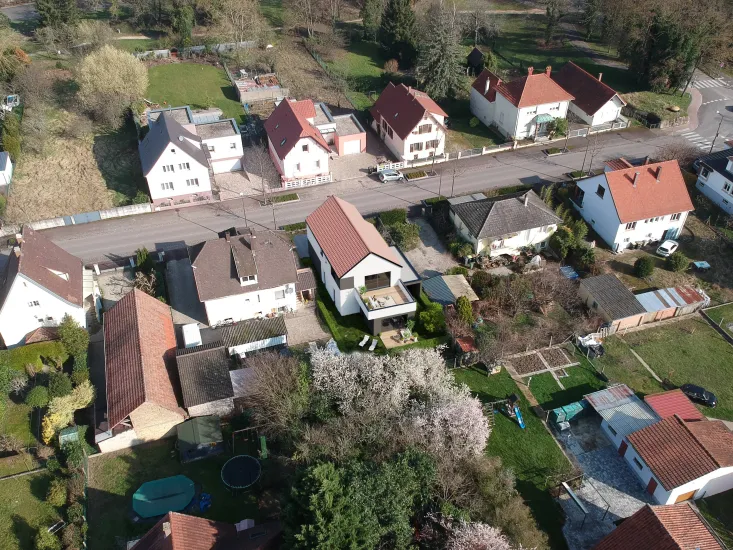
{"x": 544, "y": 117}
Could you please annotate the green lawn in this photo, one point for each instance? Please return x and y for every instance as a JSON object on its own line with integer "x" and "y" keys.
{"x": 199, "y": 86}
{"x": 361, "y": 64}
{"x": 532, "y": 453}
{"x": 718, "y": 510}
{"x": 285, "y": 198}
{"x": 621, "y": 366}
{"x": 273, "y": 11}
{"x": 136, "y": 44}
{"x": 580, "y": 381}
{"x": 23, "y": 510}
{"x": 16, "y": 421}
{"x": 659, "y": 103}
{"x": 114, "y": 477}
{"x": 724, "y": 314}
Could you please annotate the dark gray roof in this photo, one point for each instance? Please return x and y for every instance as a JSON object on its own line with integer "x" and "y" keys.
{"x": 476, "y": 57}
{"x": 218, "y": 264}
{"x": 220, "y": 128}
{"x": 306, "y": 280}
{"x": 204, "y": 374}
{"x": 718, "y": 161}
{"x": 253, "y": 330}
{"x": 446, "y": 289}
{"x": 612, "y": 296}
{"x": 506, "y": 214}
{"x": 164, "y": 132}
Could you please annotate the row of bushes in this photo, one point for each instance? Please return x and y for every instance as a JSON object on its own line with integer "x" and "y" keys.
{"x": 398, "y": 230}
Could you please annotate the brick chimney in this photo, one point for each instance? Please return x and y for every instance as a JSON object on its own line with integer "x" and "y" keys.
{"x": 167, "y": 529}
{"x": 548, "y": 70}
{"x": 600, "y": 77}
{"x": 530, "y": 70}
{"x": 659, "y": 173}
{"x": 526, "y": 200}
{"x": 636, "y": 178}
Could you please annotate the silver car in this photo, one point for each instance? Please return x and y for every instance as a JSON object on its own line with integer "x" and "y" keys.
{"x": 667, "y": 248}
{"x": 390, "y": 175}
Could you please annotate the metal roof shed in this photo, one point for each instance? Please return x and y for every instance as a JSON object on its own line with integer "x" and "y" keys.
{"x": 621, "y": 409}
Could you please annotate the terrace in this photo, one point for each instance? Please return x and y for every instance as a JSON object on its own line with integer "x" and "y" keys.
{"x": 382, "y": 298}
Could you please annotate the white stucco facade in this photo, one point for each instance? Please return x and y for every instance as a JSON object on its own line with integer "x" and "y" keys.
{"x": 610, "y": 111}
{"x": 251, "y": 305}
{"x": 598, "y": 210}
{"x": 717, "y": 187}
{"x": 481, "y": 108}
{"x": 306, "y": 159}
{"x": 176, "y": 174}
{"x": 512, "y": 121}
{"x": 421, "y": 143}
{"x": 512, "y": 244}
{"x": 225, "y": 153}
{"x": 29, "y": 306}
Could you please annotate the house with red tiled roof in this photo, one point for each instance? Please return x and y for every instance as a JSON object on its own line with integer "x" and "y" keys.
{"x": 635, "y": 205}
{"x": 521, "y": 108}
{"x": 41, "y": 284}
{"x": 595, "y": 102}
{"x": 142, "y": 386}
{"x": 360, "y": 271}
{"x": 673, "y": 402}
{"x": 678, "y": 460}
{"x": 411, "y": 124}
{"x": 678, "y": 527}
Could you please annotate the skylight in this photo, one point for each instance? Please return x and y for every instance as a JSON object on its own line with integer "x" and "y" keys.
{"x": 283, "y": 142}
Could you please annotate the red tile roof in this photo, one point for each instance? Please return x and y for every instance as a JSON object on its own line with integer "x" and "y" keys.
{"x": 183, "y": 532}
{"x": 345, "y": 237}
{"x": 480, "y": 84}
{"x": 618, "y": 164}
{"x": 467, "y": 344}
{"x": 590, "y": 93}
{"x": 139, "y": 342}
{"x": 287, "y": 125}
{"x": 304, "y": 108}
{"x": 403, "y": 108}
{"x": 678, "y": 452}
{"x": 42, "y": 334}
{"x": 533, "y": 89}
{"x": 672, "y": 402}
{"x": 675, "y": 527}
{"x": 649, "y": 198}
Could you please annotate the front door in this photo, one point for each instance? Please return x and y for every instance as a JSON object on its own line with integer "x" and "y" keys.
{"x": 652, "y": 486}
{"x": 622, "y": 448}
{"x": 685, "y": 496}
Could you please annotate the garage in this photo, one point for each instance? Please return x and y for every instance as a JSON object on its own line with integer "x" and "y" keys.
{"x": 227, "y": 165}
{"x": 352, "y": 147}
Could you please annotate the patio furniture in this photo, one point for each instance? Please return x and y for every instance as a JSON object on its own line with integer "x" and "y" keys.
{"x": 373, "y": 345}
{"x": 364, "y": 341}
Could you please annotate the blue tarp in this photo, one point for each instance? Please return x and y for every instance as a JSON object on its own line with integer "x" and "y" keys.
{"x": 569, "y": 272}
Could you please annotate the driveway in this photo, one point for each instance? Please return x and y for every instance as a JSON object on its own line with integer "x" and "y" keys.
{"x": 185, "y": 305}
{"x": 114, "y": 285}
{"x": 431, "y": 257}
{"x": 303, "y": 327}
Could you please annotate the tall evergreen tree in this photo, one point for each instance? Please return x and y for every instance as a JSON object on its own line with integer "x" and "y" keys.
{"x": 439, "y": 64}
{"x": 371, "y": 17}
{"x": 397, "y": 33}
{"x": 54, "y": 13}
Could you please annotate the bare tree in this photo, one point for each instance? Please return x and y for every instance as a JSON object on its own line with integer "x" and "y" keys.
{"x": 305, "y": 13}
{"x": 146, "y": 283}
{"x": 239, "y": 20}
{"x": 680, "y": 150}
{"x": 478, "y": 24}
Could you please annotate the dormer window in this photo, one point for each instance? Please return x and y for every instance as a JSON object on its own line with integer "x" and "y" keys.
{"x": 248, "y": 280}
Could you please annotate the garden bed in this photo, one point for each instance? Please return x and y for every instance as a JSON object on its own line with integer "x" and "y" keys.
{"x": 527, "y": 363}
{"x": 555, "y": 357}
{"x": 555, "y": 151}
{"x": 416, "y": 175}
{"x": 290, "y": 197}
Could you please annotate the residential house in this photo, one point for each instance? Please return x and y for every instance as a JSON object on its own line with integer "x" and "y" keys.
{"x": 715, "y": 178}
{"x": 608, "y": 297}
{"x": 177, "y": 531}
{"x": 446, "y": 289}
{"x": 360, "y": 272}
{"x": 677, "y": 527}
{"x": 673, "y": 402}
{"x": 678, "y": 460}
{"x": 244, "y": 275}
{"x": 521, "y": 108}
{"x": 6, "y": 172}
{"x": 506, "y": 224}
{"x": 622, "y": 413}
{"x": 411, "y": 124}
{"x": 179, "y": 156}
{"x": 41, "y": 284}
{"x": 635, "y": 205}
{"x": 203, "y": 372}
{"x": 594, "y": 102}
{"x": 140, "y": 373}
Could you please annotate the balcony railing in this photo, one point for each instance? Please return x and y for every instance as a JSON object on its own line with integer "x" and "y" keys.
{"x": 385, "y": 298}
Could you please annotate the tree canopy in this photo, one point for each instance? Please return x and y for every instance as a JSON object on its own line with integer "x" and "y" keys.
{"x": 397, "y": 32}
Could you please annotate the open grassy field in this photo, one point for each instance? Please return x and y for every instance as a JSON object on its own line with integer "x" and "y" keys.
{"x": 361, "y": 64}
{"x": 723, "y": 316}
{"x": 194, "y": 84}
{"x": 621, "y": 366}
{"x": 136, "y": 44}
{"x": 23, "y": 510}
{"x": 580, "y": 381}
{"x": 532, "y": 453}
{"x": 273, "y": 11}
{"x": 718, "y": 510}
{"x": 114, "y": 477}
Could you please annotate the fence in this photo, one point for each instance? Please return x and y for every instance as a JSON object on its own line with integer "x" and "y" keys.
{"x": 195, "y": 50}
{"x": 307, "y": 182}
{"x": 468, "y": 153}
{"x": 606, "y": 127}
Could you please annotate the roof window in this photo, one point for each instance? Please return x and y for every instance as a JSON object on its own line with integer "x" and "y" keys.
{"x": 283, "y": 141}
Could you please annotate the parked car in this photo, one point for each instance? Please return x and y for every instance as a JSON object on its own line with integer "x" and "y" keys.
{"x": 390, "y": 175}
{"x": 699, "y": 395}
{"x": 667, "y": 247}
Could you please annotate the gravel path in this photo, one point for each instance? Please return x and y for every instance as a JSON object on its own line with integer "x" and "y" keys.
{"x": 431, "y": 257}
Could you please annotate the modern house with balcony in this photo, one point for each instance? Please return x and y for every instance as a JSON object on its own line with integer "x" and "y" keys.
{"x": 361, "y": 272}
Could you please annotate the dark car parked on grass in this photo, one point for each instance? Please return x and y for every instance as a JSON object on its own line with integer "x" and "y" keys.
{"x": 699, "y": 395}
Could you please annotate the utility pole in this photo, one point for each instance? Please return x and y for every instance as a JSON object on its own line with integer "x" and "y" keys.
{"x": 244, "y": 211}
{"x": 587, "y": 145}
{"x": 716, "y": 133}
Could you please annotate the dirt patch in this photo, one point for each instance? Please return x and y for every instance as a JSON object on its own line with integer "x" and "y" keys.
{"x": 430, "y": 257}
{"x": 555, "y": 357}
{"x": 527, "y": 364}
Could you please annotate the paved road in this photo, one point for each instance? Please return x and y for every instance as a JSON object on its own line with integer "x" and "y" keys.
{"x": 118, "y": 238}
{"x": 717, "y": 95}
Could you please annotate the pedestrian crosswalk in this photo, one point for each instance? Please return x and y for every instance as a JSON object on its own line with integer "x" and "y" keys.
{"x": 711, "y": 83}
{"x": 702, "y": 142}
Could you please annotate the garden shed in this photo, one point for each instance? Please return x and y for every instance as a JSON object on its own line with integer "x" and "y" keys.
{"x": 200, "y": 438}
{"x": 609, "y": 297}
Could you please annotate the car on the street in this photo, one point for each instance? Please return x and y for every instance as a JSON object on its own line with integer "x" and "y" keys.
{"x": 390, "y": 175}
{"x": 699, "y": 395}
{"x": 667, "y": 247}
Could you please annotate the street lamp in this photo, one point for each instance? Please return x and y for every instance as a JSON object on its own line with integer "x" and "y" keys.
{"x": 718, "y": 132}
{"x": 244, "y": 211}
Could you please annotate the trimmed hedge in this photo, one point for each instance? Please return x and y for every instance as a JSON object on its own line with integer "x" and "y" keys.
{"x": 391, "y": 217}
{"x": 34, "y": 354}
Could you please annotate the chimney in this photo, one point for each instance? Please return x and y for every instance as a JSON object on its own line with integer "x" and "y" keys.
{"x": 548, "y": 70}
{"x": 659, "y": 173}
{"x": 526, "y": 199}
{"x": 600, "y": 77}
{"x": 167, "y": 529}
{"x": 530, "y": 70}
{"x": 487, "y": 85}
{"x": 226, "y": 236}
{"x": 16, "y": 249}
{"x": 636, "y": 177}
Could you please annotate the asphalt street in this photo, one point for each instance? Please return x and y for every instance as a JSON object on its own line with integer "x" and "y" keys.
{"x": 715, "y": 112}
{"x": 119, "y": 238}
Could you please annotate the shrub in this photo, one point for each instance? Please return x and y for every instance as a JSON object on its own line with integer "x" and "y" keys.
{"x": 562, "y": 241}
{"x": 143, "y": 260}
{"x": 75, "y": 487}
{"x": 474, "y": 122}
{"x": 56, "y": 495}
{"x": 59, "y": 385}
{"x": 579, "y": 229}
{"x": 644, "y": 267}
{"x": 391, "y": 66}
{"x": 3, "y": 205}
{"x": 464, "y": 309}
{"x": 141, "y": 197}
{"x": 75, "y": 513}
{"x": 460, "y": 248}
{"x": 47, "y": 541}
{"x": 432, "y": 318}
{"x": 677, "y": 261}
{"x": 37, "y": 397}
{"x": 80, "y": 373}
{"x": 585, "y": 256}
{"x": 53, "y": 465}
{"x": 458, "y": 270}
{"x": 391, "y": 217}
{"x": 71, "y": 537}
{"x": 74, "y": 454}
{"x": 74, "y": 338}
{"x": 482, "y": 282}
{"x": 405, "y": 235}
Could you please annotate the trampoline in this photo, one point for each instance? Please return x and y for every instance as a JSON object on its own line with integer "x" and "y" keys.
{"x": 169, "y": 494}
{"x": 240, "y": 472}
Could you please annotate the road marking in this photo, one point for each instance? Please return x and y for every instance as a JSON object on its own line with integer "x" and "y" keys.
{"x": 708, "y": 84}
{"x": 714, "y": 100}
{"x": 697, "y": 139}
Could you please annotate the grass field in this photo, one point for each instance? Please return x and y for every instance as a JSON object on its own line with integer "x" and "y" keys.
{"x": 136, "y": 44}
{"x": 114, "y": 477}
{"x": 199, "y": 86}
{"x": 361, "y": 64}
{"x": 718, "y": 510}
{"x": 16, "y": 421}
{"x": 23, "y": 510}
{"x": 272, "y": 10}
{"x": 659, "y": 103}
{"x": 532, "y": 453}
{"x": 580, "y": 381}
{"x": 724, "y": 315}
{"x": 621, "y": 366}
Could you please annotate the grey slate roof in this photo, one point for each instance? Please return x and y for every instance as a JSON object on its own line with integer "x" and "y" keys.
{"x": 253, "y": 330}
{"x": 446, "y": 289}
{"x": 164, "y": 132}
{"x": 718, "y": 161}
{"x": 613, "y": 296}
{"x": 306, "y": 280}
{"x": 506, "y": 214}
{"x": 204, "y": 374}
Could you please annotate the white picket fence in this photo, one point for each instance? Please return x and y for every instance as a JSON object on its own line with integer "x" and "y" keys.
{"x": 307, "y": 182}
